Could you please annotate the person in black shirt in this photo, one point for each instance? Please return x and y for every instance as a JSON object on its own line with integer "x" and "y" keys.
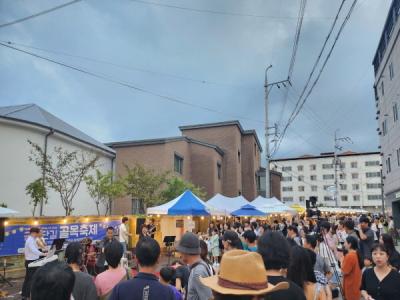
{"x": 366, "y": 240}
{"x": 380, "y": 282}
{"x": 145, "y": 284}
{"x": 181, "y": 276}
{"x": 275, "y": 252}
{"x": 394, "y": 255}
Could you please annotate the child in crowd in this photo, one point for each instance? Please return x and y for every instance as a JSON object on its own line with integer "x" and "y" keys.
{"x": 214, "y": 242}
{"x": 166, "y": 275}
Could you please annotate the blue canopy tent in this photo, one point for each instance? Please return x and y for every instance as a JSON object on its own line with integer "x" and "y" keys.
{"x": 189, "y": 204}
{"x": 247, "y": 210}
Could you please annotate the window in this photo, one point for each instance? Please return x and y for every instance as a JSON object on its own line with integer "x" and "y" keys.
{"x": 327, "y": 198}
{"x": 219, "y": 171}
{"x": 398, "y": 157}
{"x": 373, "y": 174}
{"x": 302, "y": 198}
{"x": 300, "y": 168}
{"x": 356, "y": 187}
{"x": 342, "y": 176}
{"x": 356, "y": 197}
{"x": 328, "y": 176}
{"x": 344, "y": 198}
{"x": 373, "y": 186}
{"x": 287, "y": 189}
{"x": 382, "y": 88}
{"x": 239, "y": 155}
{"x": 287, "y": 178}
{"x": 313, "y": 177}
{"x": 178, "y": 164}
{"x": 372, "y": 163}
{"x": 314, "y": 188}
{"x": 342, "y": 165}
{"x": 343, "y": 187}
{"x": 354, "y": 175}
{"x": 313, "y": 167}
{"x": 374, "y": 197}
{"x": 255, "y": 149}
{"x": 327, "y": 166}
{"x": 326, "y": 187}
{"x": 388, "y": 166}
{"x": 301, "y": 188}
{"x": 384, "y": 127}
{"x": 391, "y": 71}
{"x": 285, "y": 169}
{"x": 354, "y": 164}
{"x": 287, "y": 199}
{"x": 300, "y": 178}
{"x": 395, "y": 113}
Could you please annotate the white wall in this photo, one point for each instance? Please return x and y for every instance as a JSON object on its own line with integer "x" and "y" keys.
{"x": 16, "y": 171}
{"x": 362, "y": 180}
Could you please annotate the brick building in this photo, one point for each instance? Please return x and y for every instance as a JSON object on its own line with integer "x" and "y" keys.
{"x": 220, "y": 157}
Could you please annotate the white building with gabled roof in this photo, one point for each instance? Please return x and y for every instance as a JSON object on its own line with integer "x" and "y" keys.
{"x": 21, "y": 123}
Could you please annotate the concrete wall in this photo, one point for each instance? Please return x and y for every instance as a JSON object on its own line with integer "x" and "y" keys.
{"x": 250, "y": 166}
{"x": 16, "y": 171}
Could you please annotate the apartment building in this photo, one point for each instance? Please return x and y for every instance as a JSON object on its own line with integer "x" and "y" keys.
{"x": 359, "y": 179}
{"x": 220, "y": 157}
{"x": 387, "y": 100}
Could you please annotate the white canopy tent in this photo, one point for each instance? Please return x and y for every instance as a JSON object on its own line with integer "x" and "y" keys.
{"x": 163, "y": 209}
{"x": 271, "y": 205}
{"x": 6, "y": 212}
{"x": 227, "y": 204}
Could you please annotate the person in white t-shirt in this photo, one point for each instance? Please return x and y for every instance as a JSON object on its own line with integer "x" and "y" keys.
{"x": 124, "y": 233}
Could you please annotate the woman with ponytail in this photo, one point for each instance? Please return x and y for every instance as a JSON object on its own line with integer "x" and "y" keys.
{"x": 351, "y": 269}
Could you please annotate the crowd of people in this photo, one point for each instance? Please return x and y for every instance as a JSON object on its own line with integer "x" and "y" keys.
{"x": 300, "y": 258}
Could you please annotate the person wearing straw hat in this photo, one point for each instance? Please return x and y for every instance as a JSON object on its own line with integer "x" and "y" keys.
{"x": 243, "y": 276}
{"x": 189, "y": 248}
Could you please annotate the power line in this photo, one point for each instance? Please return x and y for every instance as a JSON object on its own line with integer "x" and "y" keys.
{"x": 219, "y": 12}
{"x": 128, "y": 85}
{"x": 39, "y": 14}
{"x": 301, "y": 102}
{"x": 297, "y": 37}
{"x": 129, "y": 68}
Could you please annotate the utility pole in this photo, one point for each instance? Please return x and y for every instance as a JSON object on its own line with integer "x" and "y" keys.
{"x": 336, "y": 162}
{"x": 267, "y": 154}
{"x": 267, "y": 87}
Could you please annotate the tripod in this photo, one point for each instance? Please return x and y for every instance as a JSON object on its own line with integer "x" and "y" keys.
{"x": 332, "y": 263}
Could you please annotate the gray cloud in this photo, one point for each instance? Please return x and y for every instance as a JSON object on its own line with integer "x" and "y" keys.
{"x": 231, "y": 51}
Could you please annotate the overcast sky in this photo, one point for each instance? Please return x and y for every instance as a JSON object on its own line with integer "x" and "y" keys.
{"x": 209, "y": 59}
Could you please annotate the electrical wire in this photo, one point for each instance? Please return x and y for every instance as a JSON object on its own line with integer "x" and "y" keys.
{"x": 301, "y": 101}
{"x": 39, "y": 14}
{"x": 128, "y": 85}
{"x": 219, "y": 12}
{"x": 129, "y": 68}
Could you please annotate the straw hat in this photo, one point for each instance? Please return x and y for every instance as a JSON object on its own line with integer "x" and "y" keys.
{"x": 242, "y": 273}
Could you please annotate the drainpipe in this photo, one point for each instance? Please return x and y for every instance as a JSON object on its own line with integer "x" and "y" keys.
{"x": 112, "y": 180}
{"x": 44, "y": 170}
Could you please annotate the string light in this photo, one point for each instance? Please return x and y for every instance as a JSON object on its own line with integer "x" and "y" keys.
{"x": 35, "y": 222}
{"x": 64, "y": 221}
{"x": 202, "y": 218}
{"x": 86, "y": 219}
{"x": 5, "y": 223}
{"x": 188, "y": 217}
{"x": 107, "y": 219}
{"x": 158, "y": 216}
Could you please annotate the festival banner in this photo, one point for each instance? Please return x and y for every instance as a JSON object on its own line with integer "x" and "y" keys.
{"x": 15, "y": 235}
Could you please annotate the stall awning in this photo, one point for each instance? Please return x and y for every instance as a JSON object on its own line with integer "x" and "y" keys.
{"x": 227, "y": 204}
{"x": 247, "y": 210}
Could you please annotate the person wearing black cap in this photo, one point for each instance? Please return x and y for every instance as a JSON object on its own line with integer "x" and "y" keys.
{"x": 189, "y": 247}
{"x": 84, "y": 288}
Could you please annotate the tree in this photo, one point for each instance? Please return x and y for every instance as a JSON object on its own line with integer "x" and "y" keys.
{"x": 144, "y": 185}
{"x": 64, "y": 172}
{"x": 38, "y": 193}
{"x": 103, "y": 189}
{"x": 177, "y": 185}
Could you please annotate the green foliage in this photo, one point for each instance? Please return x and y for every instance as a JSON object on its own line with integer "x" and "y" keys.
{"x": 103, "y": 189}
{"x": 3, "y": 205}
{"x": 38, "y": 193}
{"x": 144, "y": 185}
{"x": 63, "y": 171}
{"x": 176, "y": 186}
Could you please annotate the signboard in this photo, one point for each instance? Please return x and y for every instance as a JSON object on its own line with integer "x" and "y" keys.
{"x": 179, "y": 223}
{"x": 15, "y": 235}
